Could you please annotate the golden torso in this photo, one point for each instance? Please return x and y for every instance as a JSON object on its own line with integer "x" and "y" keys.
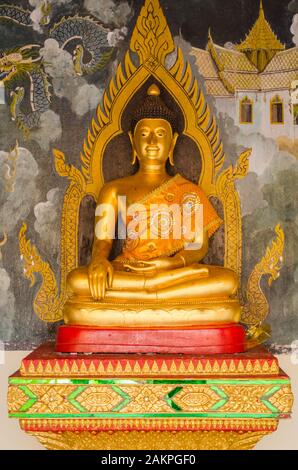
{"x": 137, "y": 186}
{"x": 163, "y": 280}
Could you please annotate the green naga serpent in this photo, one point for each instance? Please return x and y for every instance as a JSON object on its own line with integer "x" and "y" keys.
{"x": 25, "y": 61}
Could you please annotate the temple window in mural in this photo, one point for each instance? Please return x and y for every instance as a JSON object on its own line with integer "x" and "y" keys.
{"x": 246, "y": 111}
{"x": 277, "y": 110}
{"x": 294, "y": 100}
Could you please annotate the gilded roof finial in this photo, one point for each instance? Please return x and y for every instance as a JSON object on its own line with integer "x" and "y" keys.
{"x": 261, "y": 44}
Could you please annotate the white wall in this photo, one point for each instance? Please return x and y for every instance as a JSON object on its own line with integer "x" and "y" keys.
{"x": 261, "y": 113}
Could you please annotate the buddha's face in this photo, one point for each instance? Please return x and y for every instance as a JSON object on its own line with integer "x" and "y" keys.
{"x": 153, "y": 140}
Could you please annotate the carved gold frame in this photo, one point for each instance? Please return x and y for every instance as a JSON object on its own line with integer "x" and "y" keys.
{"x": 152, "y": 42}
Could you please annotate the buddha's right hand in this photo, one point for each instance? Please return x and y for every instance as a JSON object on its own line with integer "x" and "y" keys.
{"x": 100, "y": 276}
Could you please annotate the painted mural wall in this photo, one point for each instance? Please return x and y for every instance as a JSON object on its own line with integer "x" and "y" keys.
{"x": 56, "y": 58}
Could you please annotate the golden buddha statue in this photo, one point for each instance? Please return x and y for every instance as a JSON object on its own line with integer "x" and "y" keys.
{"x": 156, "y": 281}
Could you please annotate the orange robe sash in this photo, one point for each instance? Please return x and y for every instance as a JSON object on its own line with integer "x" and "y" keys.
{"x": 186, "y": 196}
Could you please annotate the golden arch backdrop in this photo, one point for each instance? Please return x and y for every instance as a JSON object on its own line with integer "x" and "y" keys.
{"x": 67, "y": 74}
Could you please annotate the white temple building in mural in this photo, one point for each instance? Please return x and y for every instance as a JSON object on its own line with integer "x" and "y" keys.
{"x": 255, "y": 82}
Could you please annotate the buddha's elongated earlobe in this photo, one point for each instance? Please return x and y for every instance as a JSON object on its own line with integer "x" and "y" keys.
{"x": 171, "y": 153}
{"x": 134, "y": 157}
{"x": 134, "y": 153}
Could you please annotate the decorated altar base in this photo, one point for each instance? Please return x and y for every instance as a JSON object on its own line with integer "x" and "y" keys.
{"x": 149, "y": 401}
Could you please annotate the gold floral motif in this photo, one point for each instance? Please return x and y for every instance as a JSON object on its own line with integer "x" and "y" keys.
{"x": 99, "y": 399}
{"x": 52, "y": 399}
{"x": 193, "y": 398}
{"x": 149, "y": 440}
{"x": 147, "y": 398}
{"x": 152, "y": 398}
{"x": 245, "y": 399}
{"x": 16, "y": 397}
{"x": 283, "y": 399}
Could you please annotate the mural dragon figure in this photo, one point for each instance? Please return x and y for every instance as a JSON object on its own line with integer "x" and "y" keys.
{"x": 20, "y": 64}
{"x": 16, "y": 14}
{"x": 15, "y": 64}
{"x": 94, "y": 38}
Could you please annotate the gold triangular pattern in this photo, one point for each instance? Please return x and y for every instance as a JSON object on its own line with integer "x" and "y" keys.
{"x": 74, "y": 368}
{"x": 137, "y": 368}
{"x": 118, "y": 368}
{"x": 249, "y": 367}
{"x": 65, "y": 368}
{"x": 83, "y": 368}
{"x": 224, "y": 368}
{"x": 39, "y": 368}
{"x": 92, "y": 368}
{"x": 110, "y": 368}
{"x": 128, "y": 368}
{"x": 80, "y": 367}
{"x": 164, "y": 368}
{"x": 181, "y": 367}
{"x": 173, "y": 368}
{"x": 208, "y": 367}
{"x": 56, "y": 368}
{"x": 100, "y": 368}
{"x": 31, "y": 368}
{"x": 274, "y": 369}
{"x": 48, "y": 368}
{"x": 146, "y": 368}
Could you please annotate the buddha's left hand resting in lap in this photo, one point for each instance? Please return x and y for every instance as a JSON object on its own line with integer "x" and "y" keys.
{"x": 157, "y": 280}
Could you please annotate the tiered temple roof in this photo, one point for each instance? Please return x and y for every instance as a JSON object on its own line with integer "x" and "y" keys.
{"x": 227, "y": 70}
{"x": 261, "y": 36}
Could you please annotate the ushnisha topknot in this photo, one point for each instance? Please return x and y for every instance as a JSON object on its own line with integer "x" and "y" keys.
{"x": 154, "y": 107}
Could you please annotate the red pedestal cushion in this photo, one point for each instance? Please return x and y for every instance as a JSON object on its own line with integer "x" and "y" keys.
{"x": 211, "y": 339}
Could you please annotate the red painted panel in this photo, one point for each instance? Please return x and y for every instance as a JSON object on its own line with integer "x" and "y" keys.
{"x": 212, "y": 339}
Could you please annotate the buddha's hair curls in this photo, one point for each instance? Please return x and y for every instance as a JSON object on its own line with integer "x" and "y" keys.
{"x": 154, "y": 107}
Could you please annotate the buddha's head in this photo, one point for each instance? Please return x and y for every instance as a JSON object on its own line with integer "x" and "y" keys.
{"x": 153, "y": 135}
